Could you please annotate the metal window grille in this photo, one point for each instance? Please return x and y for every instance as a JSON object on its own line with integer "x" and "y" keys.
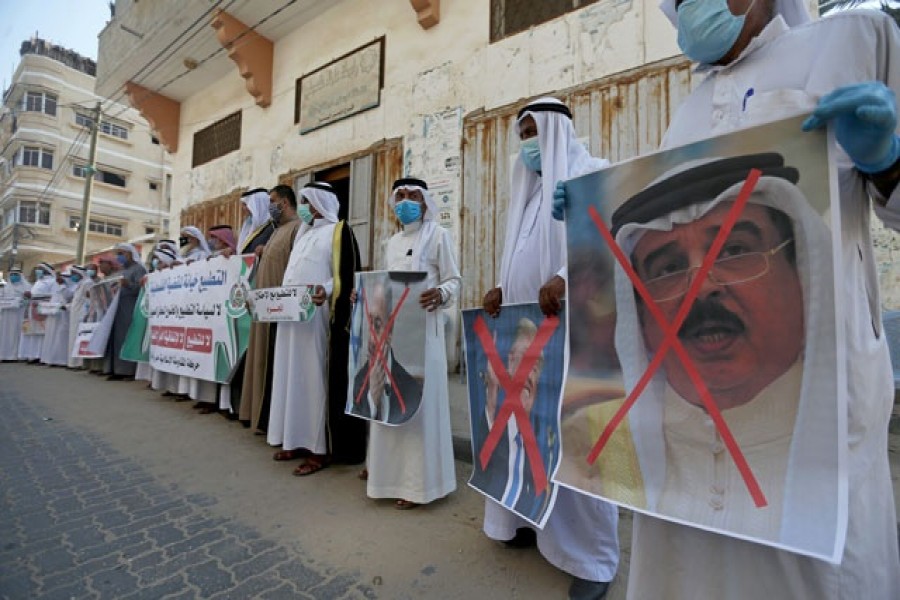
{"x": 217, "y": 140}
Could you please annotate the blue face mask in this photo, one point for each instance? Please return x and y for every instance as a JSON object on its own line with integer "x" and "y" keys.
{"x": 530, "y": 152}
{"x": 305, "y": 213}
{"x": 15, "y": 278}
{"x": 154, "y": 263}
{"x": 707, "y": 30}
{"x": 408, "y": 211}
{"x": 75, "y": 278}
{"x": 120, "y": 258}
{"x": 91, "y": 273}
{"x": 38, "y": 273}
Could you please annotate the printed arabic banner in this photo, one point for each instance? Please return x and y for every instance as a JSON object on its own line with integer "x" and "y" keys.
{"x": 34, "y": 322}
{"x": 93, "y": 331}
{"x": 515, "y": 366}
{"x": 289, "y": 303}
{"x": 705, "y": 352}
{"x": 198, "y": 317}
{"x": 387, "y": 347}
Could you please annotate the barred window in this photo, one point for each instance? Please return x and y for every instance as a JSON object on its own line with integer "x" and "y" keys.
{"x": 509, "y": 17}
{"x": 107, "y": 127}
{"x": 217, "y": 140}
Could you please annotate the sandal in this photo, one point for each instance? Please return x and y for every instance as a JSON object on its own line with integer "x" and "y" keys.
{"x": 312, "y": 466}
{"x": 364, "y": 475}
{"x": 290, "y": 454}
{"x": 406, "y": 504}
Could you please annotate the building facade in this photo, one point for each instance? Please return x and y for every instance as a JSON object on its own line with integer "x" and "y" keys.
{"x": 45, "y": 131}
{"x": 251, "y": 93}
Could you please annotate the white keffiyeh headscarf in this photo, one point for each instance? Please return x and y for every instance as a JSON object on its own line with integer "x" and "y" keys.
{"x": 322, "y": 197}
{"x": 201, "y": 251}
{"x": 429, "y": 218}
{"x": 135, "y": 255}
{"x": 257, "y": 202}
{"x": 562, "y": 157}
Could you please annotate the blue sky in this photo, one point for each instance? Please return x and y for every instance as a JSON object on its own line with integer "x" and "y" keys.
{"x": 74, "y": 24}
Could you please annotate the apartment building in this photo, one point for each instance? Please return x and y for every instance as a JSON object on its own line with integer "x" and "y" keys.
{"x": 45, "y": 129}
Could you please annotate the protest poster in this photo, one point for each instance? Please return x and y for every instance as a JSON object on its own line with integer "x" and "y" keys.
{"x": 198, "y": 318}
{"x": 34, "y": 322}
{"x": 48, "y": 309}
{"x": 92, "y": 334}
{"x": 387, "y": 347}
{"x": 515, "y": 365}
{"x": 706, "y": 357}
{"x": 288, "y": 303}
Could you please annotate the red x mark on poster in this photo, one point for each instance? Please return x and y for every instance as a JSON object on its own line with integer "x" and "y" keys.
{"x": 380, "y": 341}
{"x": 671, "y": 341}
{"x": 512, "y": 405}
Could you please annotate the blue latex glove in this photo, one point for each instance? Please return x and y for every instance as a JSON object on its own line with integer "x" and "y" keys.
{"x": 560, "y": 200}
{"x": 865, "y": 121}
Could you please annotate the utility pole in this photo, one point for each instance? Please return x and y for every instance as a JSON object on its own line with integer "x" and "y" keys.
{"x": 89, "y": 171}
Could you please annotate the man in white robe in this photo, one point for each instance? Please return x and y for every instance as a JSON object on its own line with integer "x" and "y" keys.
{"x": 308, "y": 398}
{"x": 195, "y": 247}
{"x": 580, "y": 536}
{"x": 414, "y": 462}
{"x": 12, "y": 310}
{"x": 78, "y": 310}
{"x": 777, "y": 66}
{"x": 257, "y": 227}
{"x": 44, "y": 287}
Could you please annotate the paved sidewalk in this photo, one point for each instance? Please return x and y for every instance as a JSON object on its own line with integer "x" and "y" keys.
{"x": 108, "y": 490}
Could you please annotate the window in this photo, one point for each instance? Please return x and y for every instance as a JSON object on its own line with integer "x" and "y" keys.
{"x": 101, "y": 175}
{"x": 217, "y": 140}
{"x": 97, "y": 226}
{"x": 153, "y": 185}
{"x": 9, "y": 216}
{"x": 33, "y": 156}
{"x": 149, "y": 230}
{"x": 509, "y": 17}
{"x": 39, "y": 102}
{"x": 106, "y": 126}
{"x": 36, "y": 213}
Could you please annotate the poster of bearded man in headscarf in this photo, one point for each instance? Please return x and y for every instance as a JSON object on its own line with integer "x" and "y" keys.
{"x": 705, "y": 383}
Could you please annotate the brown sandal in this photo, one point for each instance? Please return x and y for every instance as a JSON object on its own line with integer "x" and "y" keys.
{"x": 406, "y": 504}
{"x": 312, "y": 466}
{"x": 364, "y": 475}
{"x": 282, "y": 455}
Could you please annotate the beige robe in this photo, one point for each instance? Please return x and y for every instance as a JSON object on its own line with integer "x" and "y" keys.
{"x": 269, "y": 273}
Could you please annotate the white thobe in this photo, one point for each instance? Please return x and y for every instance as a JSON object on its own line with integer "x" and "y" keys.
{"x": 414, "y": 461}
{"x": 54, "y": 348}
{"x": 580, "y": 536}
{"x": 77, "y": 310}
{"x": 788, "y": 71}
{"x": 11, "y": 320}
{"x": 30, "y": 345}
{"x": 299, "y": 390}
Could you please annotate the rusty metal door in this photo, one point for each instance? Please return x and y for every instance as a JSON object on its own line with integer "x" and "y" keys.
{"x": 621, "y": 116}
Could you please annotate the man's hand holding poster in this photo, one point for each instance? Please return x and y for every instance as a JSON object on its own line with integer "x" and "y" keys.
{"x": 387, "y": 347}
{"x": 705, "y": 372}
{"x": 515, "y": 364}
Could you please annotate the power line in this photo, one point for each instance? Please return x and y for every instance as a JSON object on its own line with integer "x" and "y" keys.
{"x": 219, "y": 50}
